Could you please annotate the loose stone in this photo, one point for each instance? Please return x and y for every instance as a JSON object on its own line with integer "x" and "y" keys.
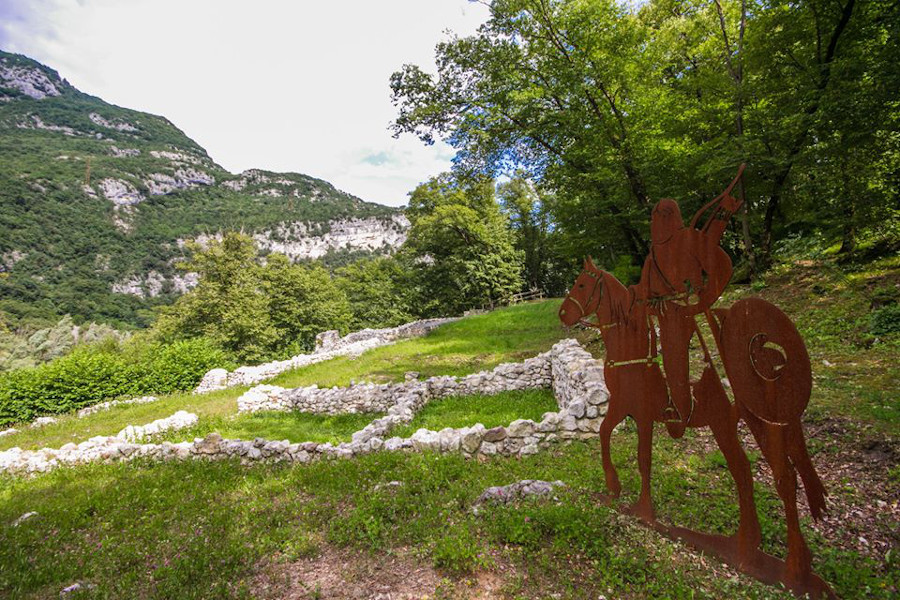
{"x": 515, "y": 491}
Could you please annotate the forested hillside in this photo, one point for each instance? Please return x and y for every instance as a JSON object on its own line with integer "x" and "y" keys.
{"x": 97, "y": 201}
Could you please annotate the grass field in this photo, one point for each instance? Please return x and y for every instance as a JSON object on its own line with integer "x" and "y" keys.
{"x": 403, "y": 522}
{"x": 490, "y": 411}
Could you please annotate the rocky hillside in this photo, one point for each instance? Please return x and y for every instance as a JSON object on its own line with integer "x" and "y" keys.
{"x": 97, "y": 203}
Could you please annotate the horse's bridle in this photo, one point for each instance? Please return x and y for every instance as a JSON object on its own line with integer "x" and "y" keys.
{"x": 597, "y": 281}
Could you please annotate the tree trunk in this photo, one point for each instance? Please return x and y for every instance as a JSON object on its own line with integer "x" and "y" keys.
{"x": 737, "y": 74}
{"x": 772, "y": 208}
{"x": 848, "y": 239}
{"x": 636, "y": 183}
{"x": 782, "y": 175}
{"x": 745, "y": 204}
{"x": 848, "y": 227}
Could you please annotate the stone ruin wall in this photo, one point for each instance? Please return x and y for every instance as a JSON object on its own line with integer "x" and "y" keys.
{"x": 328, "y": 345}
{"x": 533, "y": 373}
{"x": 575, "y": 377}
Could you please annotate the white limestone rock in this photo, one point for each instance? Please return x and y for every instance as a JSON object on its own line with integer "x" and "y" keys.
{"x": 120, "y": 193}
{"x": 216, "y": 379}
{"x": 393, "y": 444}
{"x": 43, "y": 421}
{"x": 180, "y": 420}
{"x": 520, "y": 428}
{"x": 116, "y": 124}
{"x": 35, "y": 122}
{"x": 299, "y": 243}
{"x": 31, "y": 81}
{"x": 24, "y": 517}
{"x": 425, "y": 439}
{"x": 449, "y": 440}
{"x": 84, "y": 412}
{"x": 577, "y": 409}
{"x": 124, "y": 152}
{"x": 471, "y": 438}
{"x": 176, "y": 157}
{"x": 519, "y": 490}
{"x": 162, "y": 183}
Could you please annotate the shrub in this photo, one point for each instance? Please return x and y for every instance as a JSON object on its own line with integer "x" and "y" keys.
{"x": 885, "y": 320}
{"x": 180, "y": 365}
{"x": 95, "y": 373}
{"x": 457, "y": 552}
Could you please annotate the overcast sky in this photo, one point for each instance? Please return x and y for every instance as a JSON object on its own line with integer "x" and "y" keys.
{"x": 286, "y": 86}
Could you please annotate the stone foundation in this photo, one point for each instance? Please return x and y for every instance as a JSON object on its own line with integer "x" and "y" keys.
{"x": 533, "y": 373}
{"x": 575, "y": 377}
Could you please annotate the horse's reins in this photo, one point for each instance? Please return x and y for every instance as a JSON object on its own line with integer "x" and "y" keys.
{"x": 583, "y": 307}
{"x": 653, "y": 358}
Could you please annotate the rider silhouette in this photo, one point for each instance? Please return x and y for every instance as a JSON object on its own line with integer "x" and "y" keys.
{"x": 683, "y": 275}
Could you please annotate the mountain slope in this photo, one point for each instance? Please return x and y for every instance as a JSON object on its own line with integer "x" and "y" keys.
{"x": 96, "y": 202}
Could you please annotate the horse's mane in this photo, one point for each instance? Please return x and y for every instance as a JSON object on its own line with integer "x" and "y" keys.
{"x": 621, "y": 299}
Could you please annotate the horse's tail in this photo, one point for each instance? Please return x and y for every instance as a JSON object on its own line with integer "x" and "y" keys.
{"x": 815, "y": 490}
{"x": 769, "y": 369}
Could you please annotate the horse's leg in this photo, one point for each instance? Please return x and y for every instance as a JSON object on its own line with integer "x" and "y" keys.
{"x": 614, "y": 415}
{"x": 723, "y": 420}
{"x": 771, "y": 438}
{"x": 643, "y": 508}
{"x": 799, "y": 455}
{"x": 724, "y": 429}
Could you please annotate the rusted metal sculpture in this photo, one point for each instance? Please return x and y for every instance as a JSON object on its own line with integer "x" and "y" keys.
{"x": 647, "y": 329}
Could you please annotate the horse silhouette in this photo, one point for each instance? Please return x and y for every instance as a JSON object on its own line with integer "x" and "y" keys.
{"x": 768, "y": 368}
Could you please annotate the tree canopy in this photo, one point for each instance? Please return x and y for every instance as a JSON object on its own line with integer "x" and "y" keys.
{"x": 254, "y": 310}
{"x": 460, "y": 245}
{"x": 610, "y": 109}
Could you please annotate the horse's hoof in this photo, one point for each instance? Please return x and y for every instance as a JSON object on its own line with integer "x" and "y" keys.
{"x": 642, "y": 511}
{"x": 615, "y": 488}
{"x": 676, "y": 430}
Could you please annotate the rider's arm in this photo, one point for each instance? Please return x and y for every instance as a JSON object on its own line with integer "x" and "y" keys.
{"x": 718, "y": 219}
{"x": 717, "y": 269}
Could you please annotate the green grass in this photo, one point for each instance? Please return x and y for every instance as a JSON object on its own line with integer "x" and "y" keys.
{"x": 457, "y": 411}
{"x": 490, "y": 411}
{"x": 201, "y": 530}
{"x": 198, "y": 530}
{"x": 459, "y": 348}
{"x": 69, "y": 428}
{"x": 292, "y": 426}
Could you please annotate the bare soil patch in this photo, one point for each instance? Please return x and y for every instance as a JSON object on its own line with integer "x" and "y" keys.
{"x": 344, "y": 574}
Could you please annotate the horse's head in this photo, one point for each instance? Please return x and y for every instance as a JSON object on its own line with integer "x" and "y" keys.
{"x": 584, "y": 297}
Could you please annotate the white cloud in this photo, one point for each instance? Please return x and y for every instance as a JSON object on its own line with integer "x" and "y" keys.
{"x": 287, "y": 86}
